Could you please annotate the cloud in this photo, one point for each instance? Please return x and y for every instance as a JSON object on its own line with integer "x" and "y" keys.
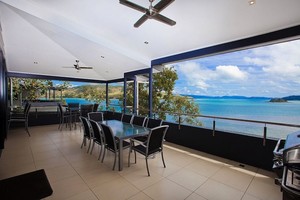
{"x": 202, "y": 77}
{"x": 230, "y": 73}
{"x": 272, "y": 71}
{"x": 281, "y": 61}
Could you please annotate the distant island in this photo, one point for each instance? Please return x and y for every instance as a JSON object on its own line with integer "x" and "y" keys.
{"x": 278, "y": 100}
{"x": 283, "y": 99}
{"x": 223, "y": 97}
{"x": 292, "y": 98}
{"x": 286, "y": 99}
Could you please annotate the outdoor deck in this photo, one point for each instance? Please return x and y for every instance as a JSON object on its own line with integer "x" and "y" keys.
{"x": 74, "y": 174}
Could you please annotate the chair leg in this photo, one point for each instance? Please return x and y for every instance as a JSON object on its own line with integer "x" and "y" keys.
{"x": 92, "y": 147}
{"x": 83, "y": 142}
{"x": 115, "y": 161}
{"x": 103, "y": 155}
{"x": 90, "y": 141}
{"x": 26, "y": 128}
{"x": 100, "y": 152}
{"x": 59, "y": 123}
{"x": 134, "y": 156}
{"x": 129, "y": 157}
{"x": 147, "y": 165}
{"x": 162, "y": 157}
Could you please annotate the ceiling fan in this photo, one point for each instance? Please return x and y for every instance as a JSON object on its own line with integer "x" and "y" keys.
{"x": 152, "y": 12}
{"x": 78, "y": 67}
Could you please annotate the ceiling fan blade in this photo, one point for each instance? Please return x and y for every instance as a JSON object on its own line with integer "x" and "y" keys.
{"x": 85, "y": 67}
{"x": 141, "y": 21}
{"x": 162, "y": 5}
{"x": 164, "y": 19}
{"x": 67, "y": 67}
{"x": 133, "y": 6}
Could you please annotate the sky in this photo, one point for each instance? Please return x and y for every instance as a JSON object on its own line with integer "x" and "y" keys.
{"x": 269, "y": 71}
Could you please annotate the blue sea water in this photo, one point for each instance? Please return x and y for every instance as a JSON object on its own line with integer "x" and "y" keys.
{"x": 251, "y": 109}
{"x": 259, "y": 109}
{"x": 102, "y": 105}
{"x": 78, "y": 100}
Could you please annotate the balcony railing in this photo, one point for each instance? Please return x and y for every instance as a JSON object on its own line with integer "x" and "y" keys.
{"x": 214, "y": 123}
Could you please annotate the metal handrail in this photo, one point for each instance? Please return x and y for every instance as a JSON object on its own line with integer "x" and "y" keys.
{"x": 236, "y": 119}
{"x": 226, "y": 118}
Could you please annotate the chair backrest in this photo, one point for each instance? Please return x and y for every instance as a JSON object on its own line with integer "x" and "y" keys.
{"x": 85, "y": 109}
{"x": 117, "y": 116}
{"x": 96, "y": 116}
{"x": 95, "y": 107}
{"x": 109, "y": 138}
{"x": 152, "y": 123}
{"x": 139, "y": 120}
{"x": 96, "y": 130}
{"x": 127, "y": 118}
{"x": 86, "y": 127}
{"x": 155, "y": 139}
{"x": 61, "y": 112}
{"x": 73, "y": 105}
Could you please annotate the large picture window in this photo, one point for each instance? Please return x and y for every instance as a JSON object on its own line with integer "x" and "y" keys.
{"x": 260, "y": 83}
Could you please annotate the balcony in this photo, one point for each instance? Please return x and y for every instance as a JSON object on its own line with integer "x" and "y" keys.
{"x": 74, "y": 174}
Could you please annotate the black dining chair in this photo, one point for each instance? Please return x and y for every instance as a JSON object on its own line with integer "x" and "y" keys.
{"x": 110, "y": 143}
{"x": 21, "y": 117}
{"x": 117, "y": 116}
{"x": 74, "y": 109}
{"x": 64, "y": 117}
{"x": 96, "y": 116}
{"x": 151, "y": 123}
{"x": 139, "y": 120}
{"x": 154, "y": 144}
{"x": 85, "y": 109}
{"x": 95, "y": 107}
{"x": 87, "y": 132}
{"x": 98, "y": 136}
{"x": 127, "y": 118}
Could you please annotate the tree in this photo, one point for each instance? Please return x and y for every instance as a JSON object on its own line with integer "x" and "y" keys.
{"x": 32, "y": 89}
{"x": 29, "y": 88}
{"x": 164, "y": 101}
{"x": 183, "y": 105}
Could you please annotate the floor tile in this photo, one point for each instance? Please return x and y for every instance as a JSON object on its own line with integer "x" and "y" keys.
{"x": 140, "y": 196}
{"x": 87, "y": 195}
{"x": 214, "y": 190}
{"x": 68, "y": 187}
{"x": 166, "y": 189}
{"x": 115, "y": 190}
{"x": 141, "y": 180}
{"x": 238, "y": 179}
{"x": 188, "y": 179}
{"x": 195, "y": 196}
{"x": 75, "y": 174}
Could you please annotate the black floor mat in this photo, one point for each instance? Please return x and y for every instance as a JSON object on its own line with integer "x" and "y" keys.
{"x": 29, "y": 186}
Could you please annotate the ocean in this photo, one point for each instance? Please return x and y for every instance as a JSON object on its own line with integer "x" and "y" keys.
{"x": 259, "y": 109}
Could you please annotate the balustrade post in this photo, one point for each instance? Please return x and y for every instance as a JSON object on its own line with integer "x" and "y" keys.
{"x": 179, "y": 122}
{"x": 265, "y": 135}
{"x": 214, "y": 127}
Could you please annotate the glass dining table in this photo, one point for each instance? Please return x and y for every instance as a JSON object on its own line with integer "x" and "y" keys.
{"x": 122, "y": 131}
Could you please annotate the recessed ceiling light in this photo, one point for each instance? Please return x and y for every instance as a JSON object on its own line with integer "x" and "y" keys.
{"x": 251, "y": 2}
{"x": 146, "y": 42}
